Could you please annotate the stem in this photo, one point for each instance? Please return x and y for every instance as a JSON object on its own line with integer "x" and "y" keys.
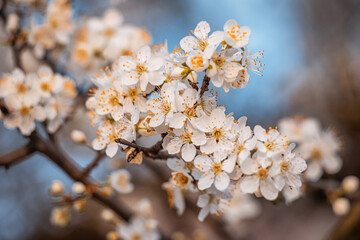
{"x": 93, "y": 164}
{"x": 152, "y": 152}
{"x": 17, "y": 156}
{"x": 204, "y": 85}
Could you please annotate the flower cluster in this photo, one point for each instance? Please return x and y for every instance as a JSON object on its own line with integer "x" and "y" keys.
{"x": 214, "y": 154}
{"x": 317, "y": 146}
{"x": 103, "y": 40}
{"x": 41, "y": 96}
{"x": 55, "y": 30}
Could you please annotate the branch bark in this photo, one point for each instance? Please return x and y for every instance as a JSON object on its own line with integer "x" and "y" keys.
{"x": 152, "y": 152}
{"x": 18, "y": 155}
{"x": 204, "y": 85}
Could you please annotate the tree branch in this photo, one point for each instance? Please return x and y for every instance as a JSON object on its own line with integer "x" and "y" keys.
{"x": 93, "y": 164}
{"x": 152, "y": 152}
{"x": 17, "y": 155}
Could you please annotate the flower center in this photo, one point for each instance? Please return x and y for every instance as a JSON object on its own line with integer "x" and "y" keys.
{"x": 240, "y": 148}
{"x": 219, "y": 61}
{"x": 284, "y": 166}
{"x": 21, "y": 88}
{"x": 109, "y": 32}
{"x": 81, "y": 55}
{"x": 269, "y": 145}
{"x": 190, "y": 112}
{"x": 169, "y": 78}
{"x": 189, "y": 166}
{"x": 197, "y": 62}
{"x": 316, "y": 154}
{"x": 217, "y": 133}
{"x": 202, "y": 44}
{"x": 45, "y": 86}
{"x": 24, "y": 110}
{"x": 180, "y": 179}
{"x": 133, "y": 93}
{"x": 186, "y": 137}
{"x": 262, "y": 173}
{"x": 114, "y": 100}
{"x": 216, "y": 167}
{"x": 135, "y": 236}
{"x": 166, "y": 108}
{"x": 140, "y": 68}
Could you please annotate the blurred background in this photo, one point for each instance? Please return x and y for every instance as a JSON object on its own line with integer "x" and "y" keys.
{"x": 312, "y": 58}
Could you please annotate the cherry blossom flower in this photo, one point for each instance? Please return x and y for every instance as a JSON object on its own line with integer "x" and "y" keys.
{"x": 257, "y": 176}
{"x": 271, "y": 141}
{"x": 286, "y": 169}
{"x": 236, "y": 36}
{"x": 108, "y": 132}
{"x": 321, "y": 152}
{"x": 142, "y": 68}
{"x": 162, "y": 106}
{"x": 217, "y": 126}
{"x": 138, "y": 228}
{"x": 215, "y": 170}
{"x": 120, "y": 181}
{"x": 200, "y": 40}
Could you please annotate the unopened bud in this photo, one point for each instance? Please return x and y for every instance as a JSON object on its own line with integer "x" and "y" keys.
{"x": 112, "y": 236}
{"x": 78, "y": 136}
{"x": 341, "y": 206}
{"x": 60, "y": 216}
{"x": 78, "y": 188}
{"x": 12, "y": 23}
{"x": 350, "y": 184}
{"x": 108, "y": 215}
{"x": 80, "y": 204}
{"x": 56, "y": 187}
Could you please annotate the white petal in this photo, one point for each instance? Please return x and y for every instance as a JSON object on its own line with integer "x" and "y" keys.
{"x": 249, "y": 184}
{"x": 313, "y": 171}
{"x": 332, "y": 164}
{"x": 249, "y": 166}
{"x": 198, "y": 138}
{"x": 229, "y": 164}
{"x": 174, "y": 146}
{"x": 298, "y": 165}
{"x": 175, "y": 164}
{"x": 202, "y": 30}
{"x": 203, "y": 200}
{"x": 268, "y": 190}
{"x": 279, "y": 182}
{"x": 144, "y": 54}
{"x": 203, "y": 163}
{"x": 177, "y": 121}
{"x": 206, "y": 180}
{"x": 188, "y": 43}
{"x": 188, "y": 152}
{"x": 222, "y": 181}
{"x": 111, "y": 149}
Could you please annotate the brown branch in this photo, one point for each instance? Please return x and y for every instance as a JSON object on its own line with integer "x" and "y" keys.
{"x": 152, "y": 152}
{"x": 93, "y": 164}
{"x": 204, "y": 85}
{"x": 17, "y": 156}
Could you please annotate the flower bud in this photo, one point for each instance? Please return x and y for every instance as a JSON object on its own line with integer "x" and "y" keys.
{"x": 78, "y": 188}
{"x": 107, "y": 215}
{"x": 56, "y": 187}
{"x": 60, "y": 216}
{"x": 350, "y": 184}
{"x": 112, "y": 236}
{"x": 80, "y": 204}
{"x": 12, "y": 23}
{"x": 78, "y": 136}
{"x": 341, "y": 206}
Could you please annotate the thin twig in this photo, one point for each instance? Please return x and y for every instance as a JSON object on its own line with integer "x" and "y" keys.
{"x": 152, "y": 152}
{"x": 93, "y": 164}
{"x": 204, "y": 85}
